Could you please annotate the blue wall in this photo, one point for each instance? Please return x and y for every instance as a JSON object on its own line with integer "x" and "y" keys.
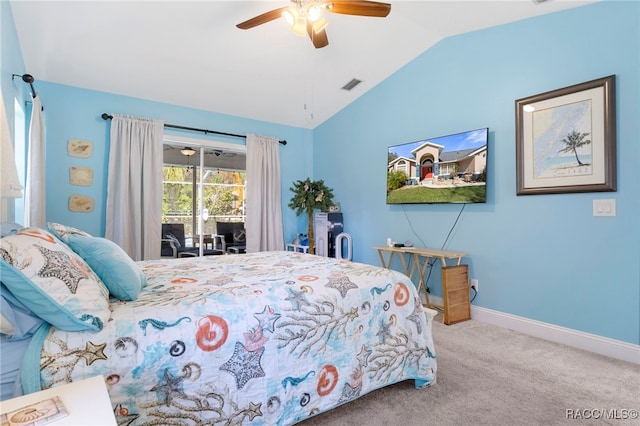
{"x": 543, "y": 257}
{"x": 11, "y": 62}
{"x": 74, "y": 113}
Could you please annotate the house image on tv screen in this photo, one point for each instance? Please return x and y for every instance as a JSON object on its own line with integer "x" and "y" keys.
{"x": 447, "y": 169}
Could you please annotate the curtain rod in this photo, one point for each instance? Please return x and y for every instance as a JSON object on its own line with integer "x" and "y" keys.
{"x": 106, "y": 116}
{"x": 28, "y": 78}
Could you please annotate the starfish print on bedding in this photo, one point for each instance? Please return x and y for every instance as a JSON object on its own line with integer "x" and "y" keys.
{"x": 267, "y": 318}
{"x": 244, "y": 364}
{"x": 254, "y": 410}
{"x": 93, "y": 352}
{"x": 169, "y": 385}
{"x": 363, "y": 355}
{"x": 384, "y": 332}
{"x": 297, "y": 298}
{"x": 342, "y": 283}
{"x": 59, "y": 265}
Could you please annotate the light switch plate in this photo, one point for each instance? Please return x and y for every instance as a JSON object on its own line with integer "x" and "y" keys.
{"x": 604, "y": 207}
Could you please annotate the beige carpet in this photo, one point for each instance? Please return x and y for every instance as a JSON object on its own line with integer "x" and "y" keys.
{"x": 488, "y": 375}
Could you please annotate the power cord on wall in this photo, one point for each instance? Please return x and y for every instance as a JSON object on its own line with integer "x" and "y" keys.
{"x": 432, "y": 262}
{"x": 475, "y": 293}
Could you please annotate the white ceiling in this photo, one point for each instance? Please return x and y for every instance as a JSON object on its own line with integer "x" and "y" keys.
{"x": 190, "y": 53}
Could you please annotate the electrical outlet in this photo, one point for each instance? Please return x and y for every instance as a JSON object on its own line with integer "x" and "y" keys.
{"x": 474, "y": 284}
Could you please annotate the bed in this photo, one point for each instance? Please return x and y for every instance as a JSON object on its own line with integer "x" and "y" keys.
{"x": 259, "y": 338}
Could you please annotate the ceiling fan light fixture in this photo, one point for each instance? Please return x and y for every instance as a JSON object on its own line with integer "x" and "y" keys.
{"x": 305, "y": 17}
{"x": 313, "y": 13}
{"x": 319, "y": 25}
{"x": 187, "y": 151}
{"x": 300, "y": 26}
{"x": 290, "y": 15}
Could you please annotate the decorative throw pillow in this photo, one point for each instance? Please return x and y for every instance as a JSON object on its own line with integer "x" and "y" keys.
{"x": 63, "y": 232}
{"x": 108, "y": 260}
{"x": 52, "y": 281}
{"x": 111, "y": 263}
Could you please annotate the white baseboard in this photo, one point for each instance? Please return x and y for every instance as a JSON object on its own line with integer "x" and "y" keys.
{"x": 567, "y": 336}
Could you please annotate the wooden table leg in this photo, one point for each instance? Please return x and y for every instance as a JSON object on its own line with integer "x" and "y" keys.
{"x": 382, "y": 261}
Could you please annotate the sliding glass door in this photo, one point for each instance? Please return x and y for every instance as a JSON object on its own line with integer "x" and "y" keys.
{"x": 202, "y": 185}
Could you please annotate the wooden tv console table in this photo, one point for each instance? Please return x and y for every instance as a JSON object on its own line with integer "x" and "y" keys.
{"x": 410, "y": 259}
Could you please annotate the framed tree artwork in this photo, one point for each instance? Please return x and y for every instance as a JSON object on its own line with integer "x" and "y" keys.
{"x": 566, "y": 139}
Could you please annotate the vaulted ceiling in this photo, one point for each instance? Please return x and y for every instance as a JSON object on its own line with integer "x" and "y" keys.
{"x": 190, "y": 53}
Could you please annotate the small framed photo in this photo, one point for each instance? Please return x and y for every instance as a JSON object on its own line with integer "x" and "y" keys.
{"x": 566, "y": 139}
{"x": 36, "y": 414}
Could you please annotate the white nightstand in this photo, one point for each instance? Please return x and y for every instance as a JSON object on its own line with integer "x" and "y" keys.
{"x": 87, "y": 402}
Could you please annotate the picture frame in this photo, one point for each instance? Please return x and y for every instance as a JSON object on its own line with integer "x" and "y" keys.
{"x": 566, "y": 140}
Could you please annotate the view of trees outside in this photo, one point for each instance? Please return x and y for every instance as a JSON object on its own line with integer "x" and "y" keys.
{"x": 223, "y": 196}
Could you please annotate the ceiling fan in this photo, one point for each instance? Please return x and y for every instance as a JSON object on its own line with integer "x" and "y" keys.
{"x": 305, "y": 16}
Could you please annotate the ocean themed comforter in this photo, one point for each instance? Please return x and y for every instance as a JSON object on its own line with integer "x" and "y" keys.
{"x": 262, "y": 338}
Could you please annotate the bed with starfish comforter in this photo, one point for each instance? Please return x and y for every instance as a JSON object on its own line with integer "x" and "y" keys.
{"x": 262, "y": 338}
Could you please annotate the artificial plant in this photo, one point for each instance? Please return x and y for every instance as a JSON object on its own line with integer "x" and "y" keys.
{"x": 308, "y": 197}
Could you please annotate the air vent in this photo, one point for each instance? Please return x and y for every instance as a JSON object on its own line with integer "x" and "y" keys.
{"x": 350, "y": 85}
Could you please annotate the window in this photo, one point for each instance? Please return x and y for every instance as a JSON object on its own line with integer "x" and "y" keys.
{"x": 20, "y": 152}
{"x": 448, "y": 169}
{"x": 205, "y": 187}
{"x": 401, "y": 166}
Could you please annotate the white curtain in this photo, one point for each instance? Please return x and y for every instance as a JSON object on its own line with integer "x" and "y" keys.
{"x": 134, "y": 186}
{"x": 264, "y": 195}
{"x": 10, "y": 186}
{"x": 35, "y": 196}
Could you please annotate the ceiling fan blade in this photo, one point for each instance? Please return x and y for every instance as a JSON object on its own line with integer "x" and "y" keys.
{"x": 261, "y": 19}
{"x": 319, "y": 39}
{"x": 361, "y": 8}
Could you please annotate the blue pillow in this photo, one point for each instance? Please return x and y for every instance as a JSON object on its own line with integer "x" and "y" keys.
{"x": 63, "y": 232}
{"x": 111, "y": 263}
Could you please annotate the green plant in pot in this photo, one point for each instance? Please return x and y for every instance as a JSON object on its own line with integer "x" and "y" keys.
{"x": 309, "y": 196}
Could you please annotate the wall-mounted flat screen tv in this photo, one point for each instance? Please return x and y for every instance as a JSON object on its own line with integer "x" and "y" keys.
{"x": 445, "y": 169}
